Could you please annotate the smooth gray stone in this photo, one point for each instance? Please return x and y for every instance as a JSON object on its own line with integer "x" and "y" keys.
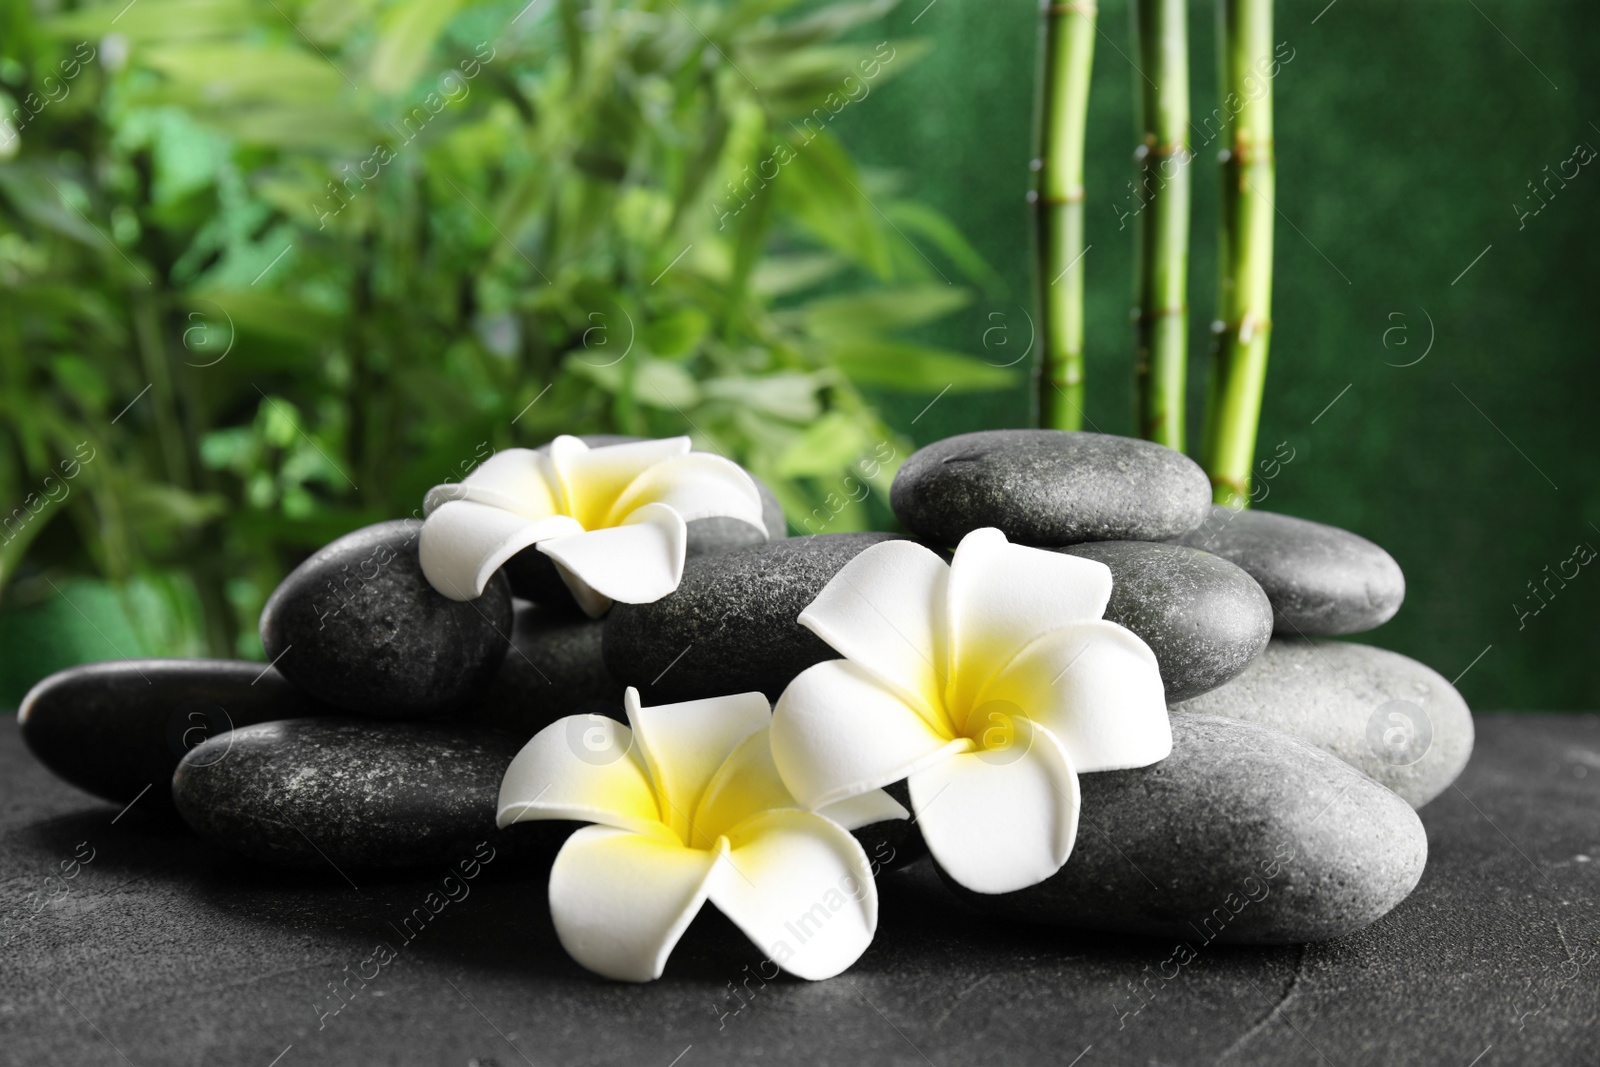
{"x": 1321, "y": 580}
{"x": 554, "y": 668}
{"x": 357, "y": 625}
{"x": 534, "y": 577}
{"x": 730, "y": 627}
{"x": 1242, "y": 835}
{"x": 1389, "y": 716}
{"x": 1049, "y": 487}
{"x": 117, "y": 729}
{"x": 1204, "y": 618}
{"x": 349, "y": 793}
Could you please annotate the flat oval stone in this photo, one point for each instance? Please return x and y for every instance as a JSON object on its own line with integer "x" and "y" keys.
{"x": 117, "y": 729}
{"x": 555, "y": 667}
{"x": 1321, "y": 580}
{"x": 534, "y": 577}
{"x": 1242, "y": 835}
{"x": 346, "y": 793}
{"x": 358, "y": 626}
{"x": 1050, "y": 487}
{"x": 730, "y": 627}
{"x": 1389, "y": 716}
{"x": 1204, "y": 618}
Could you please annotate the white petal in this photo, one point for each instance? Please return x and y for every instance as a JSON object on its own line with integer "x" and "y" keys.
{"x": 518, "y": 480}
{"x": 463, "y": 543}
{"x": 998, "y": 820}
{"x": 638, "y": 563}
{"x": 591, "y": 479}
{"x": 696, "y": 486}
{"x": 837, "y": 732}
{"x": 1002, "y": 596}
{"x": 864, "y": 810}
{"x": 885, "y": 610}
{"x": 582, "y": 767}
{"x": 1097, "y": 688}
{"x": 684, "y": 745}
{"x": 745, "y": 785}
{"x": 621, "y": 901}
{"x": 801, "y": 889}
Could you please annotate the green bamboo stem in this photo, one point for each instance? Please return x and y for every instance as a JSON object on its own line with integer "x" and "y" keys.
{"x": 1161, "y": 225}
{"x": 1067, "y": 56}
{"x": 1244, "y": 299}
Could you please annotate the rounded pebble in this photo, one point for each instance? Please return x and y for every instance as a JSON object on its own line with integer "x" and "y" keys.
{"x": 1389, "y": 716}
{"x": 358, "y": 626}
{"x": 346, "y": 793}
{"x": 1322, "y": 580}
{"x": 1049, "y": 488}
{"x": 1242, "y": 835}
{"x": 1204, "y": 618}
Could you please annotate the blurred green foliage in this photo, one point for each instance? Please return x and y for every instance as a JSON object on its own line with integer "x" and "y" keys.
{"x": 271, "y": 268}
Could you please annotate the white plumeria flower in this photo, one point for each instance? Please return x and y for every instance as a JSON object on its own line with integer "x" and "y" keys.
{"x": 612, "y": 518}
{"x": 690, "y": 808}
{"x": 989, "y": 684}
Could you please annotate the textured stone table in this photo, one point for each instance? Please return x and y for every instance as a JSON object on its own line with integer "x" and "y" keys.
{"x": 159, "y": 952}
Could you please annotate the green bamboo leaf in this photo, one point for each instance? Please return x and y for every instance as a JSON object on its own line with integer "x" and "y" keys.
{"x": 786, "y": 396}
{"x": 881, "y": 311}
{"x": 909, "y": 367}
{"x": 232, "y": 73}
{"x": 825, "y": 448}
{"x": 920, "y": 220}
{"x": 784, "y": 275}
{"x": 406, "y": 39}
{"x": 157, "y": 20}
{"x": 824, "y": 24}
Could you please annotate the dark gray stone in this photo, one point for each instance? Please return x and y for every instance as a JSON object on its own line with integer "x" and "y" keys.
{"x": 117, "y": 729}
{"x": 1243, "y": 835}
{"x": 534, "y": 577}
{"x": 349, "y": 793}
{"x": 160, "y": 933}
{"x": 357, "y": 625}
{"x": 730, "y": 627}
{"x": 555, "y": 668}
{"x": 1049, "y": 487}
{"x": 1204, "y": 618}
{"x": 1321, "y": 580}
{"x": 1391, "y": 717}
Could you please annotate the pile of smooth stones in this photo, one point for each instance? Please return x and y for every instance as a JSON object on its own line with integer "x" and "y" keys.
{"x": 378, "y": 736}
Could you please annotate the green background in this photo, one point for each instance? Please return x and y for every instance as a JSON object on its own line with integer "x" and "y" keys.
{"x": 1405, "y": 133}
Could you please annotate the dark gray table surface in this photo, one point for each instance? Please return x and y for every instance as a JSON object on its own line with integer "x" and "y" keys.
{"x": 160, "y": 952}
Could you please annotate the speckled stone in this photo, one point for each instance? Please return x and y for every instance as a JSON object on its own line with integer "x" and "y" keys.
{"x": 730, "y": 627}
{"x": 117, "y": 729}
{"x": 1050, "y": 487}
{"x": 1204, "y": 618}
{"x": 358, "y": 626}
{"x": 346, "y": 792}
{"x": 534, "y": 577}
{"x": 555, "y": 667}
{"x": 1321, "y": 580}
{"x": 1382, "y": 713}
{"x": 1242, "y": 835}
